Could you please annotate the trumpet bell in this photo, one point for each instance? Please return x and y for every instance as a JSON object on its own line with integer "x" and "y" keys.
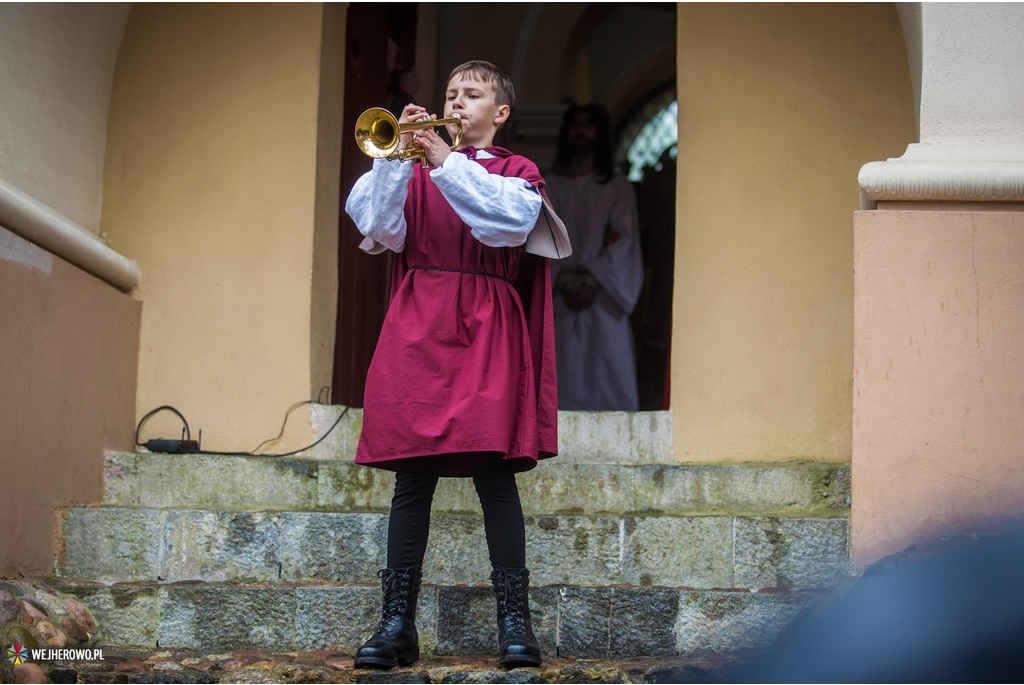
{"x": 379, "y": 135}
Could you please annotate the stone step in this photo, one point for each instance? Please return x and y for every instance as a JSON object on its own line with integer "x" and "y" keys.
{"x": 569, "y": 621}
{"x": 584, "y": 437}
{"x": 127, "y": 544}
{"x": 802, "y": 489}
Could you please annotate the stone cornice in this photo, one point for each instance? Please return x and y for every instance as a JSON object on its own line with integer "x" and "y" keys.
{"x": 946, "y": 172}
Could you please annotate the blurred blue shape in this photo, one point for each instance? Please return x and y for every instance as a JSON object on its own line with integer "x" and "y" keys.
{"x": 947, "y": 611}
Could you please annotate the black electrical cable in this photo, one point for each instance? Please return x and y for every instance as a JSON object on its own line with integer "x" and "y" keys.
{"x": 285, "y": 454}
{"x": 284, "y": 423}
{"x": 248, "y": 454}
{"x": 188, "y": 433}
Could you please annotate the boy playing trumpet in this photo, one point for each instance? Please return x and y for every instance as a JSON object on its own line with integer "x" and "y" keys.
{"x": 462, "y": 382}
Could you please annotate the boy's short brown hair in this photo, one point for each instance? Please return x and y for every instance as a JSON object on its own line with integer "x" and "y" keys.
{"x": 504, "y": 93}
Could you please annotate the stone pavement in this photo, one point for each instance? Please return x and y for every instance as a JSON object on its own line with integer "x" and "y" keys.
{"x": 35, "y": 615}
{"x": 179, "y": 666}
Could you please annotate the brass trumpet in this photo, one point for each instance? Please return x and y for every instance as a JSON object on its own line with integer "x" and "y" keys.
{"x": 378, "y": 134}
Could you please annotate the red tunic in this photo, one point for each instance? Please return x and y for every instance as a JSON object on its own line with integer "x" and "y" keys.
{"x": 465, "y": 363}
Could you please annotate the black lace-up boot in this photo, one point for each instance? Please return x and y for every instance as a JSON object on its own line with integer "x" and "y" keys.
{"x": 517, "y": 645}
{"x": 396, "y": 640}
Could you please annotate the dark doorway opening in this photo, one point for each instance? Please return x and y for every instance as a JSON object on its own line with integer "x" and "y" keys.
{"x": 646, "y": 149}
{"x": 380, "y": 39}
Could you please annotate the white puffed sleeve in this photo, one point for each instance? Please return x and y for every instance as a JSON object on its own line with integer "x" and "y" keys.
{"x": 377, "y": 205}
{"x": 499, "y": 210}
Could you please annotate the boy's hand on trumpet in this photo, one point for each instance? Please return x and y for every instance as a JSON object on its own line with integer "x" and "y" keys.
{"x": 411, "y": 114}
{"x": 434, "y": 146}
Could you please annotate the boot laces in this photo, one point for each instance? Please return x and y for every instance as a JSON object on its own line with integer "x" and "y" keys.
{"x": 512, "y": 600}
{"x": 396, "y": 588}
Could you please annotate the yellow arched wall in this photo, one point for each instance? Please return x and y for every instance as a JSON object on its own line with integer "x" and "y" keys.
{"x": 780, "y": 106}
{"x": 56, "y": 68}
{"x": 213, "y": 184}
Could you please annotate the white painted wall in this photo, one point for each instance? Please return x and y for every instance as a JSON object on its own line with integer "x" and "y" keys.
{"x": 56, "y": 71}
{"x": 972, "y": 87}
{"x": 910, "y": 18}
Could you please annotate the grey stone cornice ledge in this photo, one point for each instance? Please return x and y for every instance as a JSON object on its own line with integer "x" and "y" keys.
{"x": 947, "y": 172}
{"x": 51, "y": 230}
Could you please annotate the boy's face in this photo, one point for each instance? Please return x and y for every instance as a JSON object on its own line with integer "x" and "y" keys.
{"x": 473, "y": 100}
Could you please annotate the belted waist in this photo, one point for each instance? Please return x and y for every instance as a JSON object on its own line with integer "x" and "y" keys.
{"x": 463, "y": 271}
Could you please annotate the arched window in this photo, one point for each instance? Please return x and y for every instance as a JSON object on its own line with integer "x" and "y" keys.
{"x": 651, "y": 130}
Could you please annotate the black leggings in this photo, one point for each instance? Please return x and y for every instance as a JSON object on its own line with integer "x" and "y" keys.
{"x": 409, "y": 524}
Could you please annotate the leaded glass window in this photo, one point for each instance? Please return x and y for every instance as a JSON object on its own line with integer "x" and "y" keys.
{"x": 648, "y": 133}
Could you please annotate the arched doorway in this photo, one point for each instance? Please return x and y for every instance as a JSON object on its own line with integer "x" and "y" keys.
{"x": 646, "y": 151}
{"x": 613, "y": 53}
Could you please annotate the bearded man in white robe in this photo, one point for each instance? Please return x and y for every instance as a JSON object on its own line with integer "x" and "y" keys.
{"x": 596, "y": 288}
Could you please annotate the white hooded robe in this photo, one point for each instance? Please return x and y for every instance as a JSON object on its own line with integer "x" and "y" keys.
{"x": 594, "y": 346}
